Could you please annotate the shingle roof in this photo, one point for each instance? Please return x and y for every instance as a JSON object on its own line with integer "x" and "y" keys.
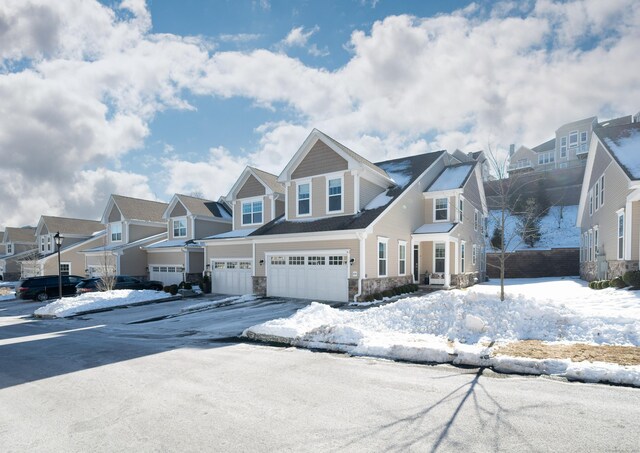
{"x": 616, "y": 121}
{"x": 200, "y": 206}
{"x": 72, "y": 226}
{"x": 269, "y": 179}
{"x": 138, "y": 209}
{"x": 414, "y": 166}
{"x": 549, "y": 145}
{"x": 356, "y": 156}
{"x": 24, "y": 234}
{"x": 623, "y": 142}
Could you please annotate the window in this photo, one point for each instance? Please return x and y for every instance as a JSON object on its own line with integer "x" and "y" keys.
{"x": 460, "y": 209}
{"x": 601, "y": 190}
{"x": 462, "y": 247}
{"x": 216, "y": 265}
{"x": 583, "y": 137}
{"x": 595, "y": 243}
{"x": 597, "y": 198}
{"x": 278, "y": 260}
{"x": 230, "y": 265}
{"x": 546, "y": 158}
{"x": 9, "y": 249}
{"x": 441, "y": 209}
{"x": 251, "y": 212}
{"x": 382, "y": 257}
{"x": 590, "y": 202}
{"x": 180, "y": 228}
{"x": 42, "y": 243}
{"x": 563, "y": 147}
{"x": 316, "y": 261}
{"x": 116, "y": 232}
{"x": 335, "y": 195}
{"x": 621, "y": 235}
{"x": 304, "y": 199}
{"x": 475, "y": 220}
{"x": 402, "y": 258}
{"x": 439, "y": 257}
{"x": 244, "y": 265}
{"x": 590, "y": 250}
{"x": 573, "y": 139}
{"x": 337, "y": 261}
{"x": 296, "y": 261}
{"x": 65, "y": 268}
{"x": 523, "y": 163}
{"x": 474, "y": 253}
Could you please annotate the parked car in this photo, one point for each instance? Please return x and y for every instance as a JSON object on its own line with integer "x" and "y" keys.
{"x": 89, "y": 285}
{"x": 46, "y": 287}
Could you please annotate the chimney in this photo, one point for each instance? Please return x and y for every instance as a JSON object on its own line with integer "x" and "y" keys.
{"x": 512, "y": 149}
{"x": 636, "y": 118}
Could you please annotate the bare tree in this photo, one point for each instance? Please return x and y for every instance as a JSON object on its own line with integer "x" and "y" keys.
{"x": 30, "y": 264}
{"x": 509, "y": 204}
{"x": 107, "y": 270}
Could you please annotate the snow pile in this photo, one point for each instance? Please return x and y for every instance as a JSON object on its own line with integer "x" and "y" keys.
{"x": 557, "y": 230}
{"x": 458, "y": 326}
{"x": 217, "y": 303}
{"x": 70, "y": 306}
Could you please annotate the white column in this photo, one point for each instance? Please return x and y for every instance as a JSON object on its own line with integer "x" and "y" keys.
{"x": 447, "y": 272}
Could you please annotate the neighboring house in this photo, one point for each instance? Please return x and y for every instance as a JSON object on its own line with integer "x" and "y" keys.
{"x": 351, "y": 228}
{"x": 609, "y": 210}
{"x": 77, "y": 234}
{"x": 130, "y": 224}
{"x": 18, "y": 243}
{"x": 180, "y": 257}
{"x": 568, "y": 149}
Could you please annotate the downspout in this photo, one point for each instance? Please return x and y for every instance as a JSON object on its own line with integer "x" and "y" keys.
{"x": 361, "y": 237}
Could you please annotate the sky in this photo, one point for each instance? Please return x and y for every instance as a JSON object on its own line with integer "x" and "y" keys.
{"x": 148, "y": 99}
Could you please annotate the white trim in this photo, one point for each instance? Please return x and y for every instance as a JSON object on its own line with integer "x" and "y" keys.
{"x": 619, "y": 251}
{"x": 474, "y": 253}
{"x": 460, "y": 208}
{"x": 627, "y": 229}
{"x": 309, "y": 252}
{"x": 110, "y": 231}
{"x": 463, "y": 257}
{"x": 402, "y": 244}
{"x": 333, "y": 177}
{"x": 244, "y": 176}
{"x": 385, "y": 241}
{"x": 298, "y": 183}
{"x": 244, "y": 201}
{"x": 356, "y": 191}
{"x": 287, "y": 186}
{"x": 435, "y": 200}
{"x": 173, "y": 227}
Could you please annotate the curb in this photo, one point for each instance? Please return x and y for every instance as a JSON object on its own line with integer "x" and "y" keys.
{"x": 100, "y": 310}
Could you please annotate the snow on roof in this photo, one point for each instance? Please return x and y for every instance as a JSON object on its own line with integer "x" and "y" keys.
{"x": 625, "y": 145}
{"x": 233, "y": 234}
{"x": 451, "y": 178}
{"x": 381, "y": 200}
{"x": 430, "y": 228}
{"x": 173, "y": 243}
{"x": 399, "y": 171}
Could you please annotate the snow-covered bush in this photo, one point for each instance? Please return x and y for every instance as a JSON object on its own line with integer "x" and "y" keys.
{"x": 632, "y": 278}
{"x": 617, "y": 283}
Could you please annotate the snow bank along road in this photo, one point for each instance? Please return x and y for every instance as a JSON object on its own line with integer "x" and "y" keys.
{"x": 156, "y": 378}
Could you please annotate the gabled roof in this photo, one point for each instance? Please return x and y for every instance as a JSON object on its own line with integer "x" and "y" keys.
{"x": 23, "y": 234}
{"x": 355, "y": 161}
{"x": 452, "y": 177}
{"x": 549, "y": 145}
{"x": 114, "y": 247}
{"x": 136, "y": 209}
{"x": 268, "y": 180}
{"x": 199, "y": 207}
{"x": 408, "y": 169}
{"x": 617, "y": 121}
{"x": 67, "y": 225}
{"x": 623, "y": 143}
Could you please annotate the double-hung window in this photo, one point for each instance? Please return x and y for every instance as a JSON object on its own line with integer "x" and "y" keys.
{"x": 9, "y": 249}
{"x": 251, "y": 212}
{"x": 382, "y": 257}
{"x": 402, "y": 258}
{"x": 43, "y": 241}
{"x": 116, "y": 232}
{"x": 597, "y": 195}
{"x": 462, "y": 250}
{"x": 441, "y": 209}
{"x": 573, "y": 139}
{"x": 439, "y": 257}
{"x": 595, "y": 244}
{"x": 334, "y": 189}
{"x": 563, "y": 147}
{"x": 474, "y": 254}
{"x": 304, "y": 198}
{"x": 601, "y": 194}
{"x": 460, "y": 209}
{"x": 179, "y": 228}
{"x": 475, "y": 220}
{"x": 621, "y": 235}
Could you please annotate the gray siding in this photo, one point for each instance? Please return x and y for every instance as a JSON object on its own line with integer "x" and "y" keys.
{"x": 114, "y": 215}
{"x": 137, "y": 232}
{"x": 205, "y": 228}
{"x": 175, "y": 258}
{"x": 251, "y": 188}
{"x": 178, "y": 210}
{"x": 229, "y": 251}
{"x": 319, "y": 160}
{"x": 368, "y": 191}
{"x": 601, "y": 160}
{"x": 196, "y": 262}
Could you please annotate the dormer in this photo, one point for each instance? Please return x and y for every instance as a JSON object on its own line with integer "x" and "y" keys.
{"x": 325, "y": 178}
{"x": 446, "y": 200}
{"x": 256, "y": 198}
{"x": 190, "y": 218}
{"x": 73, "y": 230}
{"x": 17, "y": 240}
{"x": 130, "y": 219}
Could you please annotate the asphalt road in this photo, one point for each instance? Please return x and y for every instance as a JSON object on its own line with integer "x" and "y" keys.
{"x": 179, "y": 383}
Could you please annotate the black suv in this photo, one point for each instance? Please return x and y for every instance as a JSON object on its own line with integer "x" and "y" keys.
{"x": 89, "y": 285}
{"x": 46, "y": 287}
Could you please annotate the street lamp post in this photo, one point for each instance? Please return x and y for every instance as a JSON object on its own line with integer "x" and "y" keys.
{"x": 59, "y": 238}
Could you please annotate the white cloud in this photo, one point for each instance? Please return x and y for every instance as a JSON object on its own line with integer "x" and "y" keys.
{"x": 240, "y": 37}
{"x": 297, "y": 37}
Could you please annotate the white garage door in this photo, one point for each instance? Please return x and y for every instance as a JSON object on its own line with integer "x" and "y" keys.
{"x": 169, "y": 275}
{"x": 314, "y": 276}
{"x": 231, "y": 277}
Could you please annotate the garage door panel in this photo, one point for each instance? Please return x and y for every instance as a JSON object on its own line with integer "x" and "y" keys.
{"x": 232, "y": 277}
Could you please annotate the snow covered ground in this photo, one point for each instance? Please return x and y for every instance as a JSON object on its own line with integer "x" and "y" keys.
{"x": 558, "y": 229}
{"x": 70, "y": 306}
{"x": 462, "y": 327}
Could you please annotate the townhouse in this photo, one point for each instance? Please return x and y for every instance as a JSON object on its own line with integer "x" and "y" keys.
{"x": 334, "y": 226}
{"x": 19, "y": 244}
{"x": 609, "y": 209}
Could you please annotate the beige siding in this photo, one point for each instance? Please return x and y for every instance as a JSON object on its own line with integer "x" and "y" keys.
{"x": 426, "y": 258}
{"x": 279, "y": 208}
{"x": 105, "y": 259}
{"x": 471, "y": 192}
{"x": 134, "y": 262}
{"x": 453, "y": 258}
{"x": 189, "y": 228}
{"x": 196, "y": 262}
{"x": 368, "y": 191}
{"x": 348, "y": 193}
{"x": 114, "y": 215}
{"x": 237, "y": 213}
{"x": 319, "y": 160}
{"x": 157, "y": 258}
{"x": 524, "y": 153}
{"x": 178, "y": 211}
{"x": 229, "y": 251}
{"x": 319, "y": 197}
{"x": 73, "y": 257}
{"x": 251, "y": 188}
{"x": 137, "y": 232}
{"x": 353, "y": 245}
{"x": 601, "y": 160}
{"x": 205, "y": 228}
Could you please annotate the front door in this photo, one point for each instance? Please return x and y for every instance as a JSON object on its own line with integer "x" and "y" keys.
{"x": 416, "y": 263}
{"x": 438, "y": 277}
